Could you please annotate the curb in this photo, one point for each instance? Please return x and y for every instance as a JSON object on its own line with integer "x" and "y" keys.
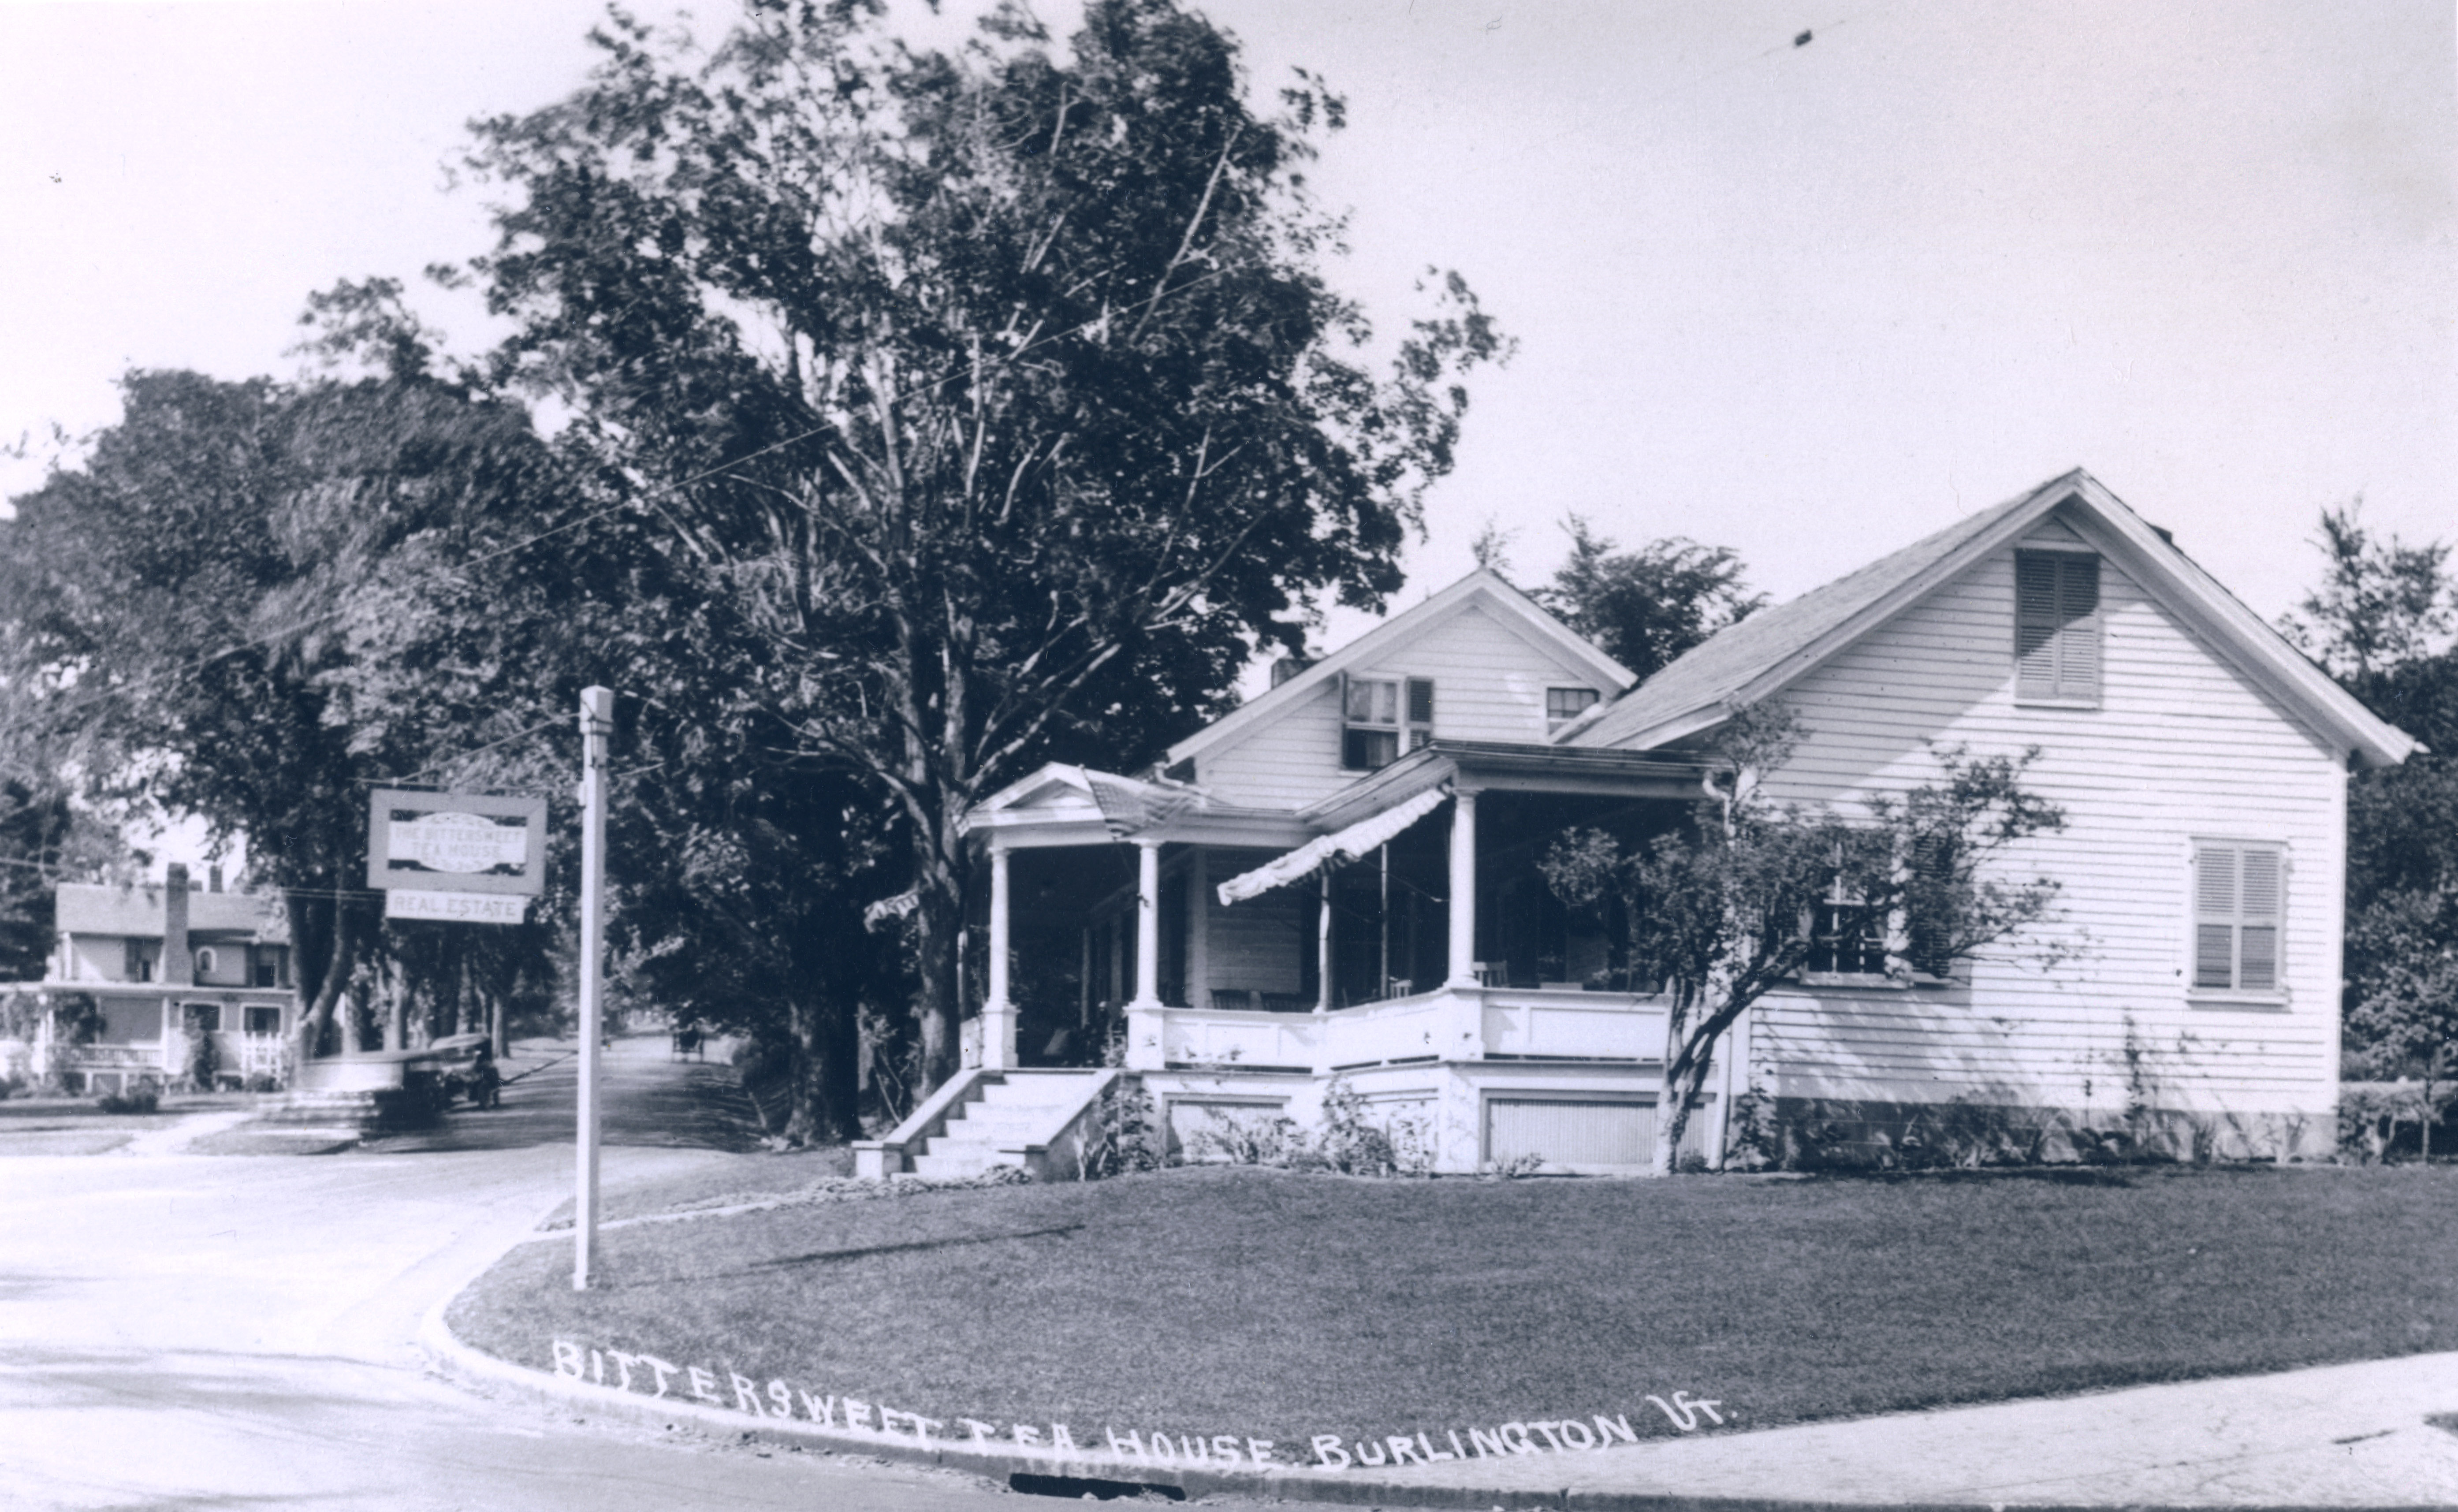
{"x": 457, "y": 1360}
{"x": 1111, "y": 1478}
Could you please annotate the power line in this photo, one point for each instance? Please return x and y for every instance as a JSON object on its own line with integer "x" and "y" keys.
{"x": 412, "y": 778}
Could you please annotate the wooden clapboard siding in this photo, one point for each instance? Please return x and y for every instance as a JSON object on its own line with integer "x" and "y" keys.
{"x": 2182, "y": 745}
{"x": 1285, "y": 762}
{"x": 1260, "y": 944}
{"x": 1489, "y": 681}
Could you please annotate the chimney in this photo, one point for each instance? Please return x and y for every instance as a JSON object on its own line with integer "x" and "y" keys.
{"x": 1287, "y": 668}
{"x": 178, "y": 967}
{"x": 213, "y": 878}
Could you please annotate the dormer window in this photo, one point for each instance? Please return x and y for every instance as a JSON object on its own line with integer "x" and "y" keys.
{"x": 2056, "y": 627}
{"x": 1382, "y": 717}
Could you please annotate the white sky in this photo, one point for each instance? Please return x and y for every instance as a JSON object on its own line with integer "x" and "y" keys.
{"x": 1809, "y": 301}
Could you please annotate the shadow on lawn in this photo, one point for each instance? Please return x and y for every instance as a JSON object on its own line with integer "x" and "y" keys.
{"x": 2125, "y": 1175}
{"x": 856, "y": 1253}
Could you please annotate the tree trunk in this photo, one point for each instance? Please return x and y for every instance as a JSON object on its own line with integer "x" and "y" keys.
{"x": 937, "y": 1011}
{"x": 826, "y": 1046}
{"x": 329, "y": 977}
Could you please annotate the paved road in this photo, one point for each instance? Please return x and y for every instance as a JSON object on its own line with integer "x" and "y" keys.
{"x": 188, "y": 1331}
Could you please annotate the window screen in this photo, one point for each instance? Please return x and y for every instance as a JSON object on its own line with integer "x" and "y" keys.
{"x": 2237, "y": 903}
{"x": 2057, "y": 625}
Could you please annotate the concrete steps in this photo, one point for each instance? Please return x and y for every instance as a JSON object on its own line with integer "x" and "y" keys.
{"x": 1015, "y": 1107}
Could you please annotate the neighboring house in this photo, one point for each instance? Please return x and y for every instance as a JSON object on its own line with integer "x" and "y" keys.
{"x": 1340, "y": 877}
{"x": 164, "y": 963}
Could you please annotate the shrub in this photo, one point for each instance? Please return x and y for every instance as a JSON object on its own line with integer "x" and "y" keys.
{"x": 1348, "y": 1140}
{"x": 1247, "y": 1141}
{"x": 205, "y": 1061}
{"x": 1118, "y": 1132}
{"x": 136, "y": 1100}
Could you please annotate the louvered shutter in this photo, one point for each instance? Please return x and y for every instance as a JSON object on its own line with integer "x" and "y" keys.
{"x": 2237, "y": 905}
{"x": 2078, "y": 625}
{"x": 2057, "y": 625}
{"x": 1421, "y": 712}
{"x": 2214, "y": 917}
{"x": 2035, "y": 625}
{"x": 2258, "y": 928}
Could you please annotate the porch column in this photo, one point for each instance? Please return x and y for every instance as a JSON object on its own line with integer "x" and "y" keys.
{"x": 1323, "y": 949}
{"x": 998, "y": 1013}
{"x": 1463, "y": 885}
{"x": 1145, "y": 1051}
{"x": 1198, "y": 929}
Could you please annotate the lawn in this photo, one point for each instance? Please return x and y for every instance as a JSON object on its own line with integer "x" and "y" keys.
{"x": 1282, "y": 1306}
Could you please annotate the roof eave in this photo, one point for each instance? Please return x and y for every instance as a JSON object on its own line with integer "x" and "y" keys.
{"x": 1393, "y": 630}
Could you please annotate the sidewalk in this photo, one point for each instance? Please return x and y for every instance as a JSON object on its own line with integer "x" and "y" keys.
{"x": 2339, "y": 1435}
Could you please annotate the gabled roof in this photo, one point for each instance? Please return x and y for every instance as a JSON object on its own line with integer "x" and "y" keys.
{"x": 1062, "y": 803}
{"x": 102, "y": 908}
{"x": 1772, "y": 648}
{"x": 1481, "y": 587}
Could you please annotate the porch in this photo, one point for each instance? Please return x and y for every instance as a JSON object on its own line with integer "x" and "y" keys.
{"x": 1402, "y": 918}
{"x": 112, "y": 1036}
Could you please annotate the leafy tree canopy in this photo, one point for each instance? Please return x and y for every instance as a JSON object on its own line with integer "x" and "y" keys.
{"x": 2381, "y": 603}
{"x": 226, "y": 608}
{"x": 2374, "y": 621}
{"x": 1647, "y": 607}
{"x": 1000, "y": 389}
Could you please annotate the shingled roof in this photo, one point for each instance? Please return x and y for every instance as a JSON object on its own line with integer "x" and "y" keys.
{"x": 1766, "y": 652}
{"x": 100, "y": 908}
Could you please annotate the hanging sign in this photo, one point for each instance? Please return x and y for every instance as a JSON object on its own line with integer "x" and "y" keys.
{"x": 445, "y": 844}
{"x": 455, "y": 908}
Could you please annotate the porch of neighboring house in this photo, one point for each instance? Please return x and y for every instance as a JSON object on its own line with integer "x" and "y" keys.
{"x": 1398, "y": 936}
{"x": 146, "y": 1037}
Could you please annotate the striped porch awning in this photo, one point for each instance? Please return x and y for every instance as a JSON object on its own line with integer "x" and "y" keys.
{"x": 1334, "y": 849}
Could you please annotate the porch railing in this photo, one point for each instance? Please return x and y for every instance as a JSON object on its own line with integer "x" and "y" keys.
{"x": 1571, "y": 1025}
{"x": 1470, "y": 1024}
{"x": 139, "y": 1057}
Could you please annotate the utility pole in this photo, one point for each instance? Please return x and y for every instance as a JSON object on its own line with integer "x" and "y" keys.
{"x": 596, "y": 725}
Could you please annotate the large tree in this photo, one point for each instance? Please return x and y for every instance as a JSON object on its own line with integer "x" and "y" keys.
{"x": 220, "y": 608}
{"x": 2380, "y": 621}
{"x": 1750, "y": 892}
{"x": 999, "y": 388}
{"x": 1647, "y": 607}
{"x": 2380, "y": 602}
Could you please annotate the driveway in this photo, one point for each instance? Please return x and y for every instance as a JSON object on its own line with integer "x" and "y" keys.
{"x": 192, "y": 1331}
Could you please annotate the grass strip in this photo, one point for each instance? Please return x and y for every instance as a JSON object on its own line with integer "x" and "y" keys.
{"x": 1283, "y": 1305}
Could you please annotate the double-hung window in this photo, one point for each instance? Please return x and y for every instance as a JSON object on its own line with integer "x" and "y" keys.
{"x": 1847, "y": 934}
{"x": 1562, "y": 705}
{"x": 2056, "y": 627}
{"x": 1381, "y": 717}
{"x": 2239, "y": 893}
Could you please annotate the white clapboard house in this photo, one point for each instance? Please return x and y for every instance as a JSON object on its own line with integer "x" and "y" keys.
{"x": 150, "y": 968}
{"x": 1339, "y": 878}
